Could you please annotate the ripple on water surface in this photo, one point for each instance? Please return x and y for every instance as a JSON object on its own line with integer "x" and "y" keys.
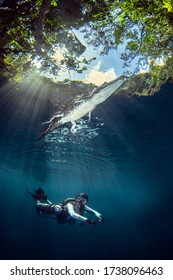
{"x": 75, "y": 153}
{"x": 60, "y": 151}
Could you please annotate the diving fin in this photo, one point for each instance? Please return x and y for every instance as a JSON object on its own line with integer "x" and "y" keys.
{"x": 38, "y": 195}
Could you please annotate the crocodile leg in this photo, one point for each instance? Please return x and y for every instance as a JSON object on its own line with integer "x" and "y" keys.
{"x": 55, "y": 116}
{"x": 89, "y": 116}
{"x": 73, "y": 130}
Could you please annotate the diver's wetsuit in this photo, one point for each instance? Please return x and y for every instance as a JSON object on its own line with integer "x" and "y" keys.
{"x": 71, "y": 211}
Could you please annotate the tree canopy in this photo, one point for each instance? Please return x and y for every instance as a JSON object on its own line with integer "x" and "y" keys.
{"x": 33, "y": 31}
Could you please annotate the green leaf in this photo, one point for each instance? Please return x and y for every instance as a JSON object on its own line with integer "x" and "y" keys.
{"x": 167, "y": 4}
{"x": 54, "y": 3}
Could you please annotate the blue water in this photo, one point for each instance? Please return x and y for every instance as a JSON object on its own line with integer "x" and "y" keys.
{"x": 122, "y": 160}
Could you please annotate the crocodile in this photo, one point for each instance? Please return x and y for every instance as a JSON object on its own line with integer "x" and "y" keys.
{"x": 82, "y": 105}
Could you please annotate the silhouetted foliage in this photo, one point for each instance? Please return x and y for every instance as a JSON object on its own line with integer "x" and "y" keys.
{"x": 32, "y": 32}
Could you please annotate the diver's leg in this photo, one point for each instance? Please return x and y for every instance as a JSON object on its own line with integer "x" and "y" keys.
{"x": 60, "y": 213}
{"x": 43, "y": 207}
{"x": 57, "y": 209}
{"x": 48, "y": 208}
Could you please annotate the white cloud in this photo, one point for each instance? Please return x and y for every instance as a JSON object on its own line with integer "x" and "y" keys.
{"x": 58, "y": 54}
{"x": 98, "y": 77}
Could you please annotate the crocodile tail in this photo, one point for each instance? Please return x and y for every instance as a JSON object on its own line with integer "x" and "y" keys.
{"x": 54, "y": 123}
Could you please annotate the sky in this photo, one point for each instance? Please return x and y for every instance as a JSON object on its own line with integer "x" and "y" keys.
{"x": 103, "y": 69}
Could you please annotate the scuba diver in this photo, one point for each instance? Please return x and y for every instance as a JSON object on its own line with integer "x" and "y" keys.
{"x": 68, "y": 211}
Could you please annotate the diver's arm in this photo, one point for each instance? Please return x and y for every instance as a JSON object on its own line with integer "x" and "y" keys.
{"x": 75, "y": 215}
{"x": 97, "y": 214}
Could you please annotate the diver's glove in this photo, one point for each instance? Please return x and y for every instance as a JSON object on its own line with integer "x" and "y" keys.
{"x": 91, "y": 222}
{"x": 100, "y": 219}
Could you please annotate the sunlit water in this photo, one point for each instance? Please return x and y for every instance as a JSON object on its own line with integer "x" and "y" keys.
{"x": 122, "y": 159}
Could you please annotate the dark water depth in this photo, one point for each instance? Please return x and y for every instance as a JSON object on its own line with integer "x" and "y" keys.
{"x": 122, "y": 159}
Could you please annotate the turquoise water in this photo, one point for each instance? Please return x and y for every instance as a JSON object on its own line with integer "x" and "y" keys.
{"x": 122, "y": 160}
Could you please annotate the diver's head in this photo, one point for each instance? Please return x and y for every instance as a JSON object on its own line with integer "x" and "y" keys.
{"x": 82, "y": 198}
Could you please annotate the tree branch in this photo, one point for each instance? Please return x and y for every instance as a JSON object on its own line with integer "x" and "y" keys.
{"x": 39, "y": 26}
